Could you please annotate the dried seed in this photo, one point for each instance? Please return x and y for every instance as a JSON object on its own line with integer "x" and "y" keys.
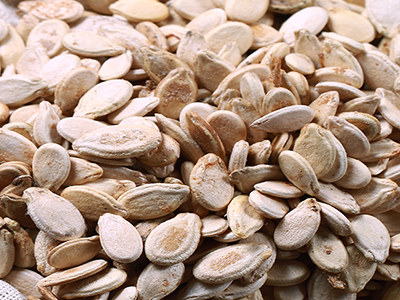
{"x": 102, "y": 282}
{"x": 299, "y": 172}
{"x": 302, "y": 20}
{"x": 33, "y": 59}
{"x": 140, "y": 10}
{"x": 156, "y": 282}
{"x": 120, "y": 141}
{"x": 73, "y": 86}
{"x": 53, "y": 214}
{"x": 227, "y": 33}
{"x": 66, "y": 10}
{"x": 153, "y": 200}
{"x": 119, "y": 238}
{"x": 287, "y": 272}
{"x": 339, "y": 199}
{"x": 93, "y": 203}
{"x": 211, "y": 69}
{"x": 243, "y": 219}
{"x": 16, "y": 90}
{"x": 353, "y": 139}
{"x": 229, "y": 127}
{"x": 91, "y": 45}
{"x": 175, "y": 91}
{"x": 210, "y": 184}
{"x": 335, "y": 220}
{"x": 45, "y": 125}
{"x": 74, "y": 274}
{"x": 231, "y": 262}
{"x": 175, "y": 240}
{"x": 278, "y": 189}
{"x": 357, "y": 175}
{"x": 327, "y": 251}
{"x": 7, "y": 251}
{"x": 316, "y": 146}
{"x": 288, "y": 235}
{"x": 74, "y": 253}
{"x": 285, "y": 119}
{"x": 213, "y": 225}
{"x": 49, "y": 34}
{"x": 137, "y": 107}
{"x": 269, "y": 206}
{"x": 51, "y": 166}
{"x": 359, "y": 271}
{"x": 371, "y": 237}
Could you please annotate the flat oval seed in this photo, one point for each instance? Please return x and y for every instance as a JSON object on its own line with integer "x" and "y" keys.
{"x": 197, "y": 290}
{"x": 359, "y": 272}
{"x": 371, "y": 237}
{"x": 120, "y": 141}
{"x": 53, "y": 214}
{"x": 73, "y": 86}
{"x": 335, "y": 220}
{"x": 269, "y": 206}
{"x": 319, "y": 287}
{"x": 92, "y": 203}
{"x": 82, "y": 171}
{"x": 286, "y": 119}
{"x": 327, "y": 251}
{"x": 380, "y": 71}
{"x": 227, "y": 33}
{"x": 49, "y": 33}
{"x": 156, "y": 282}
{"x": 119, "y": 238}
{"x": 278, "y": 189}
{"x": 316, "y": 146}
{"x": 51, "y": 166}
{"x": 104, "y": 98}
{"x": 66, "y": 10}
{"x": 175, "y": 240}
{"x": 289, "y": 235}
{"x": 16, "y": 90}
{"x": 298, "y": 171}
{"x": 210, "y": 184}
{"x": 91, "y": 45}
{"x": 300, "y": 63}
{"x": 15, "y": 147}
{"x": 287, "y": 272}
{"x": 389, "y": 106}
{"x": 140, "y": 10}
{"x": 231, "y": 262}
{"x": 277, "y": 98}
{"x": 7, "y": 251}
{"x": 74, "y": 253}
{"x": 353, "y": 139}
{"x": 102, "y": 282}
{"x": 243, "y": 219}
{"x": 238, "y": 288}
{"x": 213, "y": 225}
{"x": 302, "y": 20}
{"x": 73, "y": 128}
{"x": 357, "y": 175}
{"x": 204, "y": 134}
{"x": 155, "y": 200}
{"x": 338, "y": 198}
{"x": 229, "y": 127}
{"x": 378, "y": 192}
{"x": 368, "y": 124}
{"x": 74, "y": 274}
{"x": 113, "y": 187}
{"x": 350, "y": 24}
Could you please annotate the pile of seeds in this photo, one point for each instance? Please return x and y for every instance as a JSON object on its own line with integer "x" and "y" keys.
{"x": 200, "y": 149}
